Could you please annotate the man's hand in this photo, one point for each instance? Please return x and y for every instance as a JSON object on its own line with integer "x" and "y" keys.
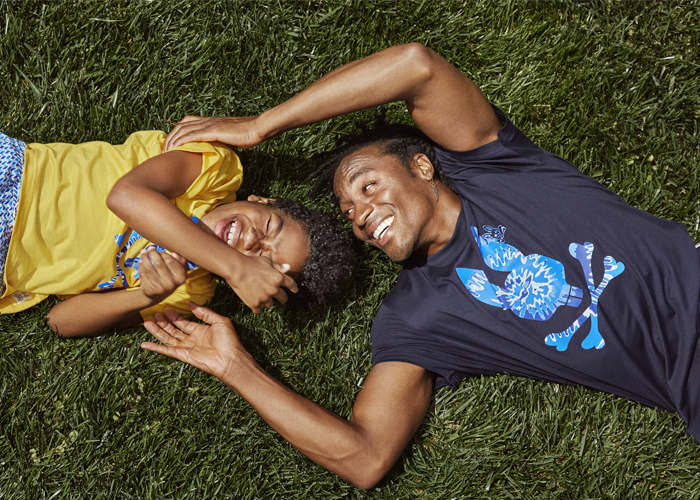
{"x": 235, "y": 131}
{"x": 211, "y": 347}
{"x": 260, "y": 281}
{"x": 161, "y": 273}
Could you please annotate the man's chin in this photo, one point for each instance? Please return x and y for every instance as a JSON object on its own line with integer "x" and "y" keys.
{"x": 396, "y": 254}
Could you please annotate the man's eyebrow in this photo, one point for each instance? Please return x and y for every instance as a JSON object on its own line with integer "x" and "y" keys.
{"x": 352, "y": 179}
{"x": 358, "y": 173}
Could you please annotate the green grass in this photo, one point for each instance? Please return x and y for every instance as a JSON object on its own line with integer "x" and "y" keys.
{"x": 610, "y": 86}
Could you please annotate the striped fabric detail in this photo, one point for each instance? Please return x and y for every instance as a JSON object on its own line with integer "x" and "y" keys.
{"x": 11, "y": 167}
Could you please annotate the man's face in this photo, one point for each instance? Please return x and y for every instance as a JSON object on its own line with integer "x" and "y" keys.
{"x": 255, "y": 228}
{"x": 389, "y": 208}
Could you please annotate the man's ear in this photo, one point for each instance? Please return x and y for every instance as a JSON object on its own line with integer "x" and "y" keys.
{"x": 423, "y": 167}
{"x": 260, "y": 199}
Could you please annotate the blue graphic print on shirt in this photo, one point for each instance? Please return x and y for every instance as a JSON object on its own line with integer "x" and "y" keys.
{"x": 132, "y": 262}
{"x": 536, "y": 285}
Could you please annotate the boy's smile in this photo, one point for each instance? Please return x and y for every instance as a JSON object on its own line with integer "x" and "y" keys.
{"x": 256, "y": 228}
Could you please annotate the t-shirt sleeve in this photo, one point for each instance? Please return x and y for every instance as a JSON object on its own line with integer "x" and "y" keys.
{"x": 395, "y": 340}
{"x": 199, "y": 288}
{"x": 218, "y": 182}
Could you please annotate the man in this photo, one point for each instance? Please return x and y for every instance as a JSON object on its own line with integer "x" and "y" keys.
{"x": 499, "y": 276}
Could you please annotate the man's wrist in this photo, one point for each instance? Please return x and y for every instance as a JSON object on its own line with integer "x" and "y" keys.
{"x": 268, "y": 124}
{"x": 236, "y": 369}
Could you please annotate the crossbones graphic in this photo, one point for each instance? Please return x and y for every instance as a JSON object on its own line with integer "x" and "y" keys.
{"x": 584, "y": 253}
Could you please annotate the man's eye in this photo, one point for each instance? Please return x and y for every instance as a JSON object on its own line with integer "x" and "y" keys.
{"x": 366, "y": 187}
{"x": 348, "y": 213}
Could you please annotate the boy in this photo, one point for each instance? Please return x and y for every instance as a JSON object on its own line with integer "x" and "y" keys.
{"x": 60, "y": 238}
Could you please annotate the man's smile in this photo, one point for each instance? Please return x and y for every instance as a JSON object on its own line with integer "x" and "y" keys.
{"x": 378, "y": 231}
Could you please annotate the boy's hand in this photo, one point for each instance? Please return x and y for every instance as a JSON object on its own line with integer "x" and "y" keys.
{"x": 261, "y": 281}
{"x": 161, "y": 273}
{"x": 211, "y": 347}
{"x": 235, "y": 131}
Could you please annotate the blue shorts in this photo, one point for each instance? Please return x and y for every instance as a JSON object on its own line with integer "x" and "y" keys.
{"x": 11, "y": 168}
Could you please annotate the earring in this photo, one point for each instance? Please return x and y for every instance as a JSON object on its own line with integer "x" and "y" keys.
{"x": 435, "y": 191}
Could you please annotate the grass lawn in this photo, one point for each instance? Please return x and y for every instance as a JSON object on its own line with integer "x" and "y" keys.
{"x": 610, "y": 86}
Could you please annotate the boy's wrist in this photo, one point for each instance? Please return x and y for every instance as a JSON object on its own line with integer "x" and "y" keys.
{"x": 234, "y": 270}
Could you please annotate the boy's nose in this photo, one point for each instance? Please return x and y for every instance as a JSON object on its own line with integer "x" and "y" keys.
{"x": 251, "y": 241}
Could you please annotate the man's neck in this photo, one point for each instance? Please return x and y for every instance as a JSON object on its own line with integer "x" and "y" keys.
{"x": 443, "y": 224}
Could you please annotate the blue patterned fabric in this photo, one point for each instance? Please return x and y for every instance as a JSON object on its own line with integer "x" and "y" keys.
{"x": 11, "y": 167}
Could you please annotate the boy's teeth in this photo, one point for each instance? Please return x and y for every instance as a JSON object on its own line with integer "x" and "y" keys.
{"x": 230, "y": 233}
{"x": 382, "y": 227}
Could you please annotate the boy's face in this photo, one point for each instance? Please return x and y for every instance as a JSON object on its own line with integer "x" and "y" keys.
{"x": 255, "y": 228}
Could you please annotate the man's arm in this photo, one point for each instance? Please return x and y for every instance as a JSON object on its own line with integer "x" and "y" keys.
{"x": 142, "y": 199}
{"x": 386, "y": 413}
{"x": 443, "y": 102}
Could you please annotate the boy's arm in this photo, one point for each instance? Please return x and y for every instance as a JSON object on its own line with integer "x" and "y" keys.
{"x": 142, "y": 199}
{"x": 91, "y": 314}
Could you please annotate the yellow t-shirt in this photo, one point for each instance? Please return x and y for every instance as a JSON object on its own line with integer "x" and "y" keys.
{"x": 66, "y": 241}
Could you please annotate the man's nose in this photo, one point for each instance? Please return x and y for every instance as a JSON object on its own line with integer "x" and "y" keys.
{"x": 362, "y": 211}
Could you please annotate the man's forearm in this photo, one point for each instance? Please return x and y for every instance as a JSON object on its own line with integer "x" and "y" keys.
{"x": 393, "y": 74}
{"x": 324, "y": 437}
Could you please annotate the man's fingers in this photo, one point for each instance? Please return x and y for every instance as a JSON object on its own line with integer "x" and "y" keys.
{"x": 171, "y": 352}
{"x": 169, "y": 142}
{"x": 207, "y": 315}
{"x": 158, "y": 332}
{"x": 189, "y": 118}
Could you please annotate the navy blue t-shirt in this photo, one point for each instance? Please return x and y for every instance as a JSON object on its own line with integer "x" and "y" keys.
{"x": 550, "y": 275}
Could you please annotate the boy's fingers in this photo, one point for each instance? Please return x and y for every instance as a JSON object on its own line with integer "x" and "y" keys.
{"x": 289, "y": 284}
{"x": 282, "y": 296}
{"x": 179, "y": 258}
{"x": 157, "y": 259}
{"x": 283, "y": 268}
{"x": 177, "y": 269}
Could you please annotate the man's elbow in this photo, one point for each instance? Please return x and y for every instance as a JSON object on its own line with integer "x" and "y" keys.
{"x": 420, "y": 59}
{"x": 370, "y": 471}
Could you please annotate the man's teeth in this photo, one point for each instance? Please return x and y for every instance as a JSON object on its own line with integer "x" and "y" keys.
{"x": 382, "y": 227}
{"x": 230, "y": 233}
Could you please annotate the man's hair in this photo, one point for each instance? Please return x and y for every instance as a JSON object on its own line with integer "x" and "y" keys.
{"x": 400, "y": 141}
{"x": 331, "y": 260}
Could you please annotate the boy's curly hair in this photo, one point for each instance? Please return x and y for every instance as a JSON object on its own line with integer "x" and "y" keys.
{"x": 332, "y": 255}
{"x": 401, "y": 141}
